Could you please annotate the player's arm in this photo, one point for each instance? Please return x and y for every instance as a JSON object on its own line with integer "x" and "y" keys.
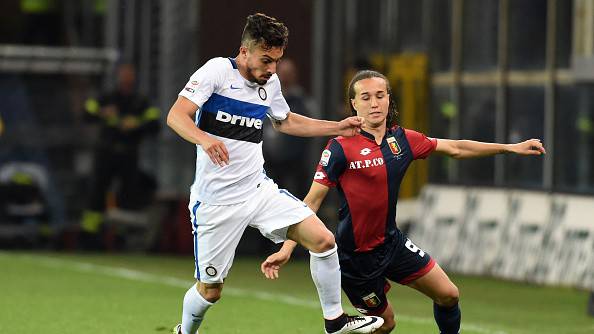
{"x": 463, "y": 149}
{"x": 302, "y": 126}
{"x": 272, "y": 264}
{"x": 180, "y": 119}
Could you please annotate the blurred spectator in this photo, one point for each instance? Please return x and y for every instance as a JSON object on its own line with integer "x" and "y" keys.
{"x": 125, "y": 117}
{"x": 23, "y": 205}
{"x": 29, "y": 201}
{"x": 288, "y": 158}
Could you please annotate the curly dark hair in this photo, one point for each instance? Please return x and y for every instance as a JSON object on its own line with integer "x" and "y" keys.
{"x": 265, "y": 31}
{"x": 392, "y": 119}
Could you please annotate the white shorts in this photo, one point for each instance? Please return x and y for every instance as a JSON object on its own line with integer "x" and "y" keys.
{"x": 217, "y": 229}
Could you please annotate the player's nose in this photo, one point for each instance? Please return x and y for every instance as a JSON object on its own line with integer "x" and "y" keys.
{"x": 271, "y": 68}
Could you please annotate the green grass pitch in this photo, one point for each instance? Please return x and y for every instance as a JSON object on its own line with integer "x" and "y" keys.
{"x": 53, "y": 293}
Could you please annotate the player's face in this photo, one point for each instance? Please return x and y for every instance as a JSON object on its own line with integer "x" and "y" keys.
{"x": 371, "y": 101}
{"x": 261, "y": 63}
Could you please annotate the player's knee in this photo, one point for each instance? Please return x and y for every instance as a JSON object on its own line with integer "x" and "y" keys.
{"x": 211, "y": 293}
{"x": 449, "y": 297}
{"x": 324, "y": 243}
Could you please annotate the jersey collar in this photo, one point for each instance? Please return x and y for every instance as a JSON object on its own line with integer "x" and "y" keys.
{"x": 389, "y": 132}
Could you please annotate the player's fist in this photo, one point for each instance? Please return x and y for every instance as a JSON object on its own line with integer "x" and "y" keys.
{"x": 528, "y": 147}
{"x": 216, "y": 150}
{"x": 350, "y": 126}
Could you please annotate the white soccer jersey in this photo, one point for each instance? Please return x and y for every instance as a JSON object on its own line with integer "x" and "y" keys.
{"x": 231, "y": 109}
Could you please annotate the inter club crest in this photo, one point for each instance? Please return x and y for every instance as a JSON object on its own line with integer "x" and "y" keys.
{"x": 394, "y": 147}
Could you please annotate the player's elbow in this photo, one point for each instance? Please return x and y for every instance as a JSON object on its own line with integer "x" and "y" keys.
{"x": 171, "y": 118}
{"x": 456, "y": 154}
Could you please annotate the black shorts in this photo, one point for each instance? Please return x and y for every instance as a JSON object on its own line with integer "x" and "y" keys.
{"x": 368, "y": 296}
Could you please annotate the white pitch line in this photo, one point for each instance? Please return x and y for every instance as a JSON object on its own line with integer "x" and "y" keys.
{"x": 140, "y": 276}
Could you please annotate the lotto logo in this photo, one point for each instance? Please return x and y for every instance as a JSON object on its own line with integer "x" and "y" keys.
{"x": 319, "y": 176}
{"x": 239, "y": 120}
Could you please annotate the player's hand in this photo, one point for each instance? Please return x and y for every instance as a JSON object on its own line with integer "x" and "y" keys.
{"x": 528, "y": 147}
{"x": 350, "y": 126}
{"x": 271, "y": 266}
{"x": 216, "y": 150}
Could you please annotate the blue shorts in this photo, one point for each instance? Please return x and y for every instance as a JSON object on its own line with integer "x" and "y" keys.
{"x": 368, "y": 295}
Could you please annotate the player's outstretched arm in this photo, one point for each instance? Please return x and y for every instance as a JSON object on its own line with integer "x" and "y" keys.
{"x": 464, "y": 149}
{"x": 271, "y": 266}
{"x": 180, "y": 120}
{"x": 302, "y": 126}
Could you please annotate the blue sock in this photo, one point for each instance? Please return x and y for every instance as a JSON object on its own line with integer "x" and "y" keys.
{"x": 447, "y": 318}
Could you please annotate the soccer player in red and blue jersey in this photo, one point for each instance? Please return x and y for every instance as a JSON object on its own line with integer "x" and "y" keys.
{"x": 367, "y": 170}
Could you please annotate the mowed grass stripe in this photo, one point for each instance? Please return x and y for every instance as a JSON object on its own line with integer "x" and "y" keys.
{"x": 139, "y": 276}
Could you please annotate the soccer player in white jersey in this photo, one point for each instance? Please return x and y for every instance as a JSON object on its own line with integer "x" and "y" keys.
{"x": 230, "y": 97}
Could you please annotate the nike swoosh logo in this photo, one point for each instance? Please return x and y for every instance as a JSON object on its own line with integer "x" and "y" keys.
{"x": 235, "y": 87}
{"x": 372, "y": 320}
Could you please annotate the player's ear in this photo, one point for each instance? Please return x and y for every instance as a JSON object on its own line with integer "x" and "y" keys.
{"x": 353, "y": 104}
{"x": 243, "y": 50}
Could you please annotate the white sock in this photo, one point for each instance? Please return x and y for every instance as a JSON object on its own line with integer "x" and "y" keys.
{"x": 195, "y": 306}
{"x": 325, "y": 272}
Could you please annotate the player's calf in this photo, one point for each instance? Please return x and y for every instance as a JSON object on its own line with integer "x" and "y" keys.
{"x": 387, "y": 327}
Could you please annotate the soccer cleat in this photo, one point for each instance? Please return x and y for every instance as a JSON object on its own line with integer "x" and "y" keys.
{"x": 177, "y": 329}
{"x": 359, "y": 325}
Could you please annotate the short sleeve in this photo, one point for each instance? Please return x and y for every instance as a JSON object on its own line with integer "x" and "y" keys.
{"x": 420, "y": 145}
{"x": 204, "y": 81}
{"x": 278, "y": 107}
{"x": 332, "y": 164}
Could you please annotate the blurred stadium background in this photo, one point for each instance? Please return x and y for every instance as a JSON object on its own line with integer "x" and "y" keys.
{"x": 488, "y": 70}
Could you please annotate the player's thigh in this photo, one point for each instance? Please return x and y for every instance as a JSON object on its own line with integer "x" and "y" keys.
{"x": 437, "y": 285}
{"x": 276, "y": 211}
{"x": 408, "y": 263}
{"x": 217, "y": 230}
{"x": 312, "y": 234}
{"x": 368, "y": 296}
